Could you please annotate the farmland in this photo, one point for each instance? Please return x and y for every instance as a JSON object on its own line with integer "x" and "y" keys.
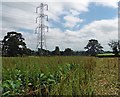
{"x": 59, "y": 75}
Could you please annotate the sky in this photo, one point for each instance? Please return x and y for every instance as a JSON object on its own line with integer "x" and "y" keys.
{"x": 71, "y": 24}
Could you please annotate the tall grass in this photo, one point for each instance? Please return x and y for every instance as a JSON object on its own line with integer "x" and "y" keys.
{"x": 59, "y": 75}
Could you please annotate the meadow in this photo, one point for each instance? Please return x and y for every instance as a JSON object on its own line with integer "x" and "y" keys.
{"x": 59, "y": 75}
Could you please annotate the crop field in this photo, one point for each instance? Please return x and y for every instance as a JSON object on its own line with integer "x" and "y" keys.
{"x": 59, "y": 75}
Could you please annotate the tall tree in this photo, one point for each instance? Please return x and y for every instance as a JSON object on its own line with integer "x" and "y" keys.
{"x": 56, "y": 51}
{"x": 68, "y": 52}
{"x": 93, "y": 47}
{"x": 115, "y": 46}
{"x": 13, "y": 44}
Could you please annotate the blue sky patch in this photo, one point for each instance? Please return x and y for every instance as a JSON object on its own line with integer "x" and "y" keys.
{"x": 98, "y": 12}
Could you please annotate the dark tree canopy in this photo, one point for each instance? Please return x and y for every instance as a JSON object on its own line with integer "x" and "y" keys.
{"x": 93, "y": 47}
{"x": 56, "y": 51}
{"x": 68, "y": 52}
{"x": 13, "y": 44}
{"x": 115, "y": 46}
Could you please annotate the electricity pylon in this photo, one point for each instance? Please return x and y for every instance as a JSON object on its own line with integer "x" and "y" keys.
{"x": 40, "y": 29}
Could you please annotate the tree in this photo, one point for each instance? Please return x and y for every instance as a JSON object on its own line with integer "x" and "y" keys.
{"x": 28, "y": 51}
{"x": 68, "y": 52}
{"x": 115, "y": 45}
{"x": 13, "y": 44}
{"x": 93, "y": 47}
{"x": 0, "y": 48}
{"x": 56, "y": 51}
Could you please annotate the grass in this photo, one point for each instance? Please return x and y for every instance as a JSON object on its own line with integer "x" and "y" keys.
{"x": 106, "y": 54}
{"x": 60, "y": 75}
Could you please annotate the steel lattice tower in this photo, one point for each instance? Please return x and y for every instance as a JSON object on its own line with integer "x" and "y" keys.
{"x": 40, "y": 29}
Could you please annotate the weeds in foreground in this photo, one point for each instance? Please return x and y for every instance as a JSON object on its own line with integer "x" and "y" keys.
{"x": 58, "y": 76}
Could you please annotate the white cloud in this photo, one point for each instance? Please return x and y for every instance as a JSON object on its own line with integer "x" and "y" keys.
{"x": 30, "y": 39}
{"x": 20, "y": 15}
{"x": 17, "y": 17}
{"x": 71, "y": 21}
{"x": 108, "y": 3}
{"x": 23, "y": 15}
{"x": 103, "y": 30}
{"x": 74, "y": 12}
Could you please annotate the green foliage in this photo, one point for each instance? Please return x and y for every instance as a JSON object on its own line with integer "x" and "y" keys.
{"x": 57, "y": 51}
{"x": 13, "y": 85}
{"x": 58, "y": 76}
{"x": 115, "y": 46}
{"x": 68, "y": 52}
{"x": 93, "y": 47}
{"x": 13, "y": 44}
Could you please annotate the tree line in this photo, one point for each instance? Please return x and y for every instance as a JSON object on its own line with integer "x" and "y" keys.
{"x": 13, "y": 45}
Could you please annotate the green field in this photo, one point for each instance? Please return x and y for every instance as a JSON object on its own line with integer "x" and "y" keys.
{"x": 107, "y": 54}
{"x": 59, "y": 75}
